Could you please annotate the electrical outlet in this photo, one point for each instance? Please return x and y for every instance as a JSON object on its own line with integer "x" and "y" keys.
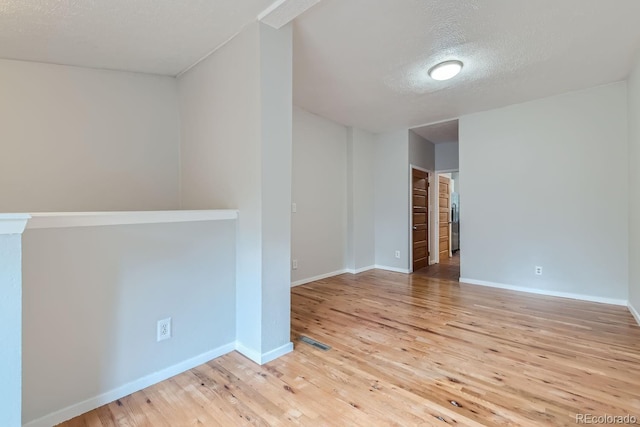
{"x": 294, "y": 264}
{"x": 294, "y": 207}
{"x": 164, "y": 329}
{"x": 538, "y": 270}
{"x": 397, "y": 254}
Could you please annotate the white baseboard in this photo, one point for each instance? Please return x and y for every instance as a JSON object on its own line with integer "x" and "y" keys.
{"x": 360, "y": 270}
{"x": 263, "y": 358}
{"x": 634, "y": 312}
{"x": 581, "y": 297}
{"x": 72, "y": 411}
{"x": 276, "y": 352}
{"x": 249, "y": 353}
{"x": 348, "y": 270}
{"x": 394, "y": 269}
{"x": 320, "y": 277}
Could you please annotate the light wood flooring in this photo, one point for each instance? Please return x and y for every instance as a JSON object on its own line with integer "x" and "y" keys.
{"x": 411, "y": 350}
{"x": 447, "y": 268}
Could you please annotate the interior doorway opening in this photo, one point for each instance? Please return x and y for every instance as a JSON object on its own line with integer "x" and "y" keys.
{"x": 439, "y": 153}
{"x": 448, "y": 221}
{"x": 420, "y": 218}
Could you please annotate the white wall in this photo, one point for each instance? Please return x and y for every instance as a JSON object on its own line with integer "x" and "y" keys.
{"x": 421, "y": 152}
{"x": 78, "y": 139}
{"x": 276, "y": 66}
{"x": 333, "y": 188}
{"x": 392, "y": 199}
{"x": 447, "y": 156}
{"x": 235, "y": 109}
{"x": 634, "y": 187}
{"x": 361, "y": 200}
{"x": 92, "y": 297}
{"x": 545, "y": 183}
{"x": 10, "y": 330}
{"x": 319, "y": 227}
{"x": 221, "y": 157}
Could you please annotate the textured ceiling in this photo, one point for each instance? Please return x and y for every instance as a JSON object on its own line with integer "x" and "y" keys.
{"x": 152, "y": 36}
{"x": 364, "y": 62}
{"x": 439, "y": 133}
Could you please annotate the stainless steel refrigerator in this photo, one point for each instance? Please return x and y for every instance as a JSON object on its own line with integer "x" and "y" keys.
{"x": 455, "y": 222}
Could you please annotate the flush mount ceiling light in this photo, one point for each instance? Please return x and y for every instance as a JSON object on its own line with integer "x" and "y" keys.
{"x": 445, "y": 70}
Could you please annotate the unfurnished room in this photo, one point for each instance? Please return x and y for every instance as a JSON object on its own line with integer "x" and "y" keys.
{"x": 319, "y": 213}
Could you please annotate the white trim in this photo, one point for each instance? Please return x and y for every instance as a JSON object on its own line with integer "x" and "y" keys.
{"x": 272, "y": 7}
{"x": 263, "y": 358}
{"x": 613, "y": 301}
{"x": 332, "y": 274}
{"x": 281, "y": 12}
{"x": 455, "y": 118}
{"x": 72, "y": 411}
{"x": 247, "y": 352}
{"x": 13, "y": 223}
{"x": 634, "y": 313}
{"x": 276, "y": 352}
{"x": 319, "y": 277}
{"x": 394, "y": 269}
{"x": 94, "y": 219}
{"x": 360, "y": 270}
{"x": 412, "y": 166}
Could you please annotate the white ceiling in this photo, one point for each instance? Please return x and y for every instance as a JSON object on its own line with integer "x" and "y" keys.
{"x": 358, "y": 62}
{"x": 439, "y": 133}
{"x": 364, "y": 62}
{"x": 152, "y": 36}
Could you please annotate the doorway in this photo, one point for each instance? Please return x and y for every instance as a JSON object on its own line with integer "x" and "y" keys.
{"x": 419, "y": 218}
{"x": 435, "y": 147}
{"x": 447, "y": 202}
{"x": 444, "y": 217}
{"x": 445, "y": 237}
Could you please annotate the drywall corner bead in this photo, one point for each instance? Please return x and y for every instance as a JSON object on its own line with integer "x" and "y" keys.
{"x": 13, "y": 223}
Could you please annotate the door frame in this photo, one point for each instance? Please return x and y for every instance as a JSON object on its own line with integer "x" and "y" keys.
{"x": 436, "y": 225}
{"x": 430, "y": 175}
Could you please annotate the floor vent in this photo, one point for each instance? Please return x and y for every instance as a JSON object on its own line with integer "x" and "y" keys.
{"x": 316, "y": 344}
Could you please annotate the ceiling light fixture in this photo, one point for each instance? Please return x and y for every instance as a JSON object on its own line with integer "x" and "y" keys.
{"x": 445, "y": 70}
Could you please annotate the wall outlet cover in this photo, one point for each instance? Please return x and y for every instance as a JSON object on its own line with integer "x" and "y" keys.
{"x": 164, "y": 329}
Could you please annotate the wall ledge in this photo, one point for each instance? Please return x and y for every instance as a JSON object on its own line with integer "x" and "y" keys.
{"x": 13, "y": 223}
{"x": 94, "y": 219}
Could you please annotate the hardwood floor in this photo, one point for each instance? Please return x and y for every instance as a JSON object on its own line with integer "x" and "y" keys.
{"x": 447, "y": 268}
{"x": 411, "y": 350}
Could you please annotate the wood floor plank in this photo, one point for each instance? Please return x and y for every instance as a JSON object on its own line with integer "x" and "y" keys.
{"x": 417, "y": 349}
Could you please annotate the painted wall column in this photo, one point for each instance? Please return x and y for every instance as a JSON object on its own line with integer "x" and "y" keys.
{"x": 11, "y": 228}
{"x": 276, "y": 77}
